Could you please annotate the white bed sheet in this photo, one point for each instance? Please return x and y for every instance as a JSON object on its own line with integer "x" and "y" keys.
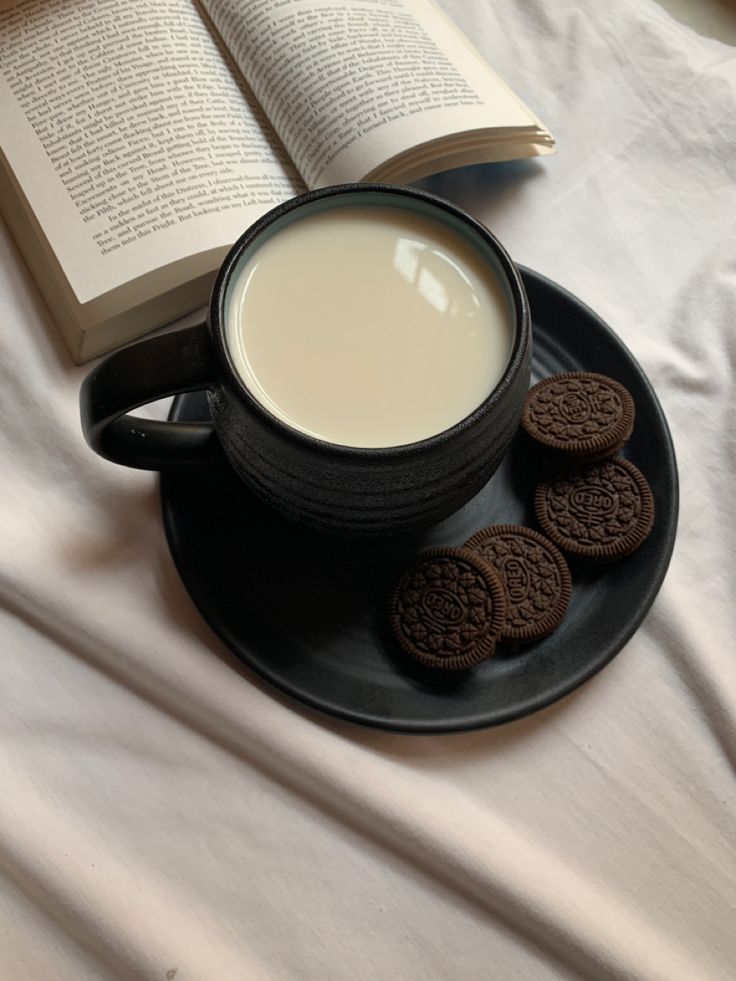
{"x": 165, "y": 815}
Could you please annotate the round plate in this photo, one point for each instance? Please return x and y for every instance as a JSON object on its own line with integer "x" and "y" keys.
{"x": 308, "y": 613}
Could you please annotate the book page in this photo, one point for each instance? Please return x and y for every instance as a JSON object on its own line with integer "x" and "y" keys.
{"x": 132, "y": 135}
{"x": 349, "y": 84}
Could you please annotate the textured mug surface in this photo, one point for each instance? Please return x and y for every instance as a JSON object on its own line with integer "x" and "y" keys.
{"x": 342, "y": 490}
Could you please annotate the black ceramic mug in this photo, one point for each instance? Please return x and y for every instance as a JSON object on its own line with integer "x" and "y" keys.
{"x": 344, "y": 490}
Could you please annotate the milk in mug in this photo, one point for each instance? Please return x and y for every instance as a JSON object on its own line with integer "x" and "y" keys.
{"x": 369, "y": 326}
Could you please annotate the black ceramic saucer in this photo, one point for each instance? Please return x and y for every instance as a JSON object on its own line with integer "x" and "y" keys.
{"x": 308, "y": 614}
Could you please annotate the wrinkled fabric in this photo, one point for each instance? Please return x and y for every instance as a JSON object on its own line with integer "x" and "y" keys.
{"x": 164, "y": 814}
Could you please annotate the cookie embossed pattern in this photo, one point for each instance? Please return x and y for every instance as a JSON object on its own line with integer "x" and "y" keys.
{"x": 448, "y": 609}
{"x": 535, "y": 577}
{"x": 579, "y": 414}
{"x": 598, "y": 511}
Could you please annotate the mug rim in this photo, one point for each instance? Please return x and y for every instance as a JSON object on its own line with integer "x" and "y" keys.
{"x": 216, "y": 324}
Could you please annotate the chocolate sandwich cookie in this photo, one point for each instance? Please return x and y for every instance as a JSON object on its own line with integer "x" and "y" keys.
{"x": 448, "y": 609}
{"x": 601, "y": 510}
{"x": 534, "y": 575}
{"x": 579, "y": 414}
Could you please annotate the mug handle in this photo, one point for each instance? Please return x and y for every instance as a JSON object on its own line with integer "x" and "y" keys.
{"x": 178, "y": 361}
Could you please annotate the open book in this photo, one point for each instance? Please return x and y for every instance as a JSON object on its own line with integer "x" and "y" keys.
{"x": 139, "y": 139}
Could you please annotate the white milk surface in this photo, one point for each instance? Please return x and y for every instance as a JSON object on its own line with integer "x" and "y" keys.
{"x": 369, "y": 326}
